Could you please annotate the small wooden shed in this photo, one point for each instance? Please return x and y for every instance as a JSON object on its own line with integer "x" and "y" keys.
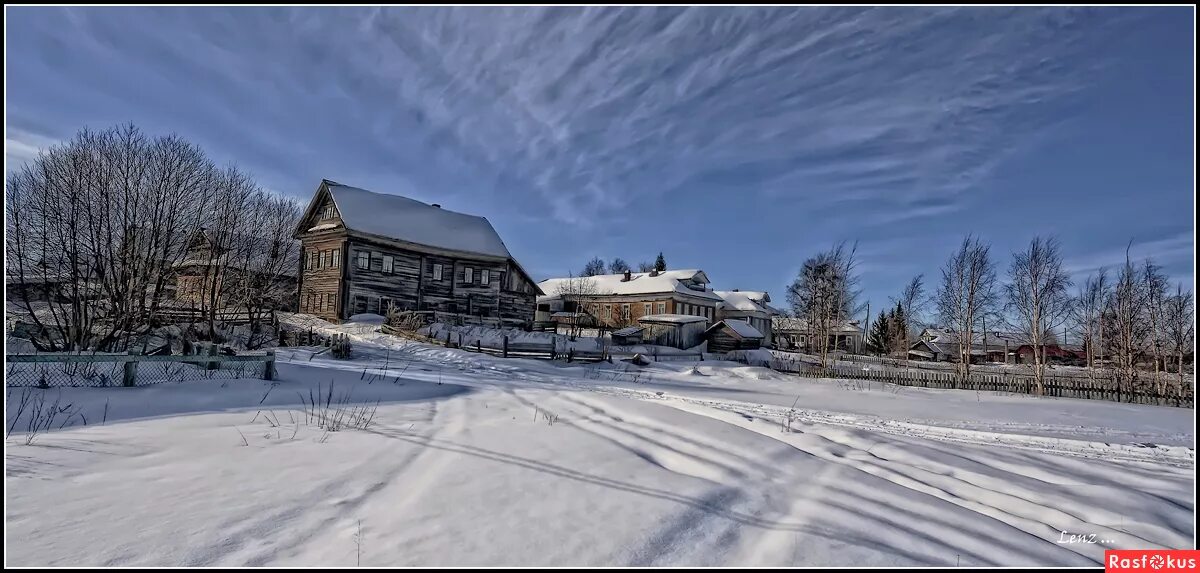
{"x": 628, "y": 336}
{"x": 676, "y": 330}
{"x": 733, "y": 334}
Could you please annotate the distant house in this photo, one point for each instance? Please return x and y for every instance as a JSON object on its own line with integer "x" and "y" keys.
{"x": 749, "y": 306}
{"x": 733, "y": 334}
{"x": 675, "y": 330}
{"x": 257, "y": 265}
{"x": 986, "y": 346}
{"x": 619, "y": 300}
{"x": 792, "y": 333}
{"x": 366, "y": 252}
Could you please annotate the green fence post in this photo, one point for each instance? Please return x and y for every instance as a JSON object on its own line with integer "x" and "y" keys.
{"x": 129, "y": 377}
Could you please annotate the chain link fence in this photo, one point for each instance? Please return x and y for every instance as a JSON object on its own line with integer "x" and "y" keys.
{"x": 105, "y": 370}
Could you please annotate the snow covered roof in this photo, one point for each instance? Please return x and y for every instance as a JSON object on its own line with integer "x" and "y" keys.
{"x": 628, "y": 331}
{"x": 672, "y": 318}
{"x": 789, "y": 323}
{"x": 739, "y": 327}
{"x": 744, "y": 301}
{"x": 640, "y": 283}
{"x": 410, "y": 220}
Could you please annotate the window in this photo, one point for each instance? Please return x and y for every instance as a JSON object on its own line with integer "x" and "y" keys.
{"x": 337, "y": 258}
{"x": 329, "y": 302}
{"x": 364, "y": 260}
{"x": 484, "y": 277}
{"x": 387, "y": 263}
{"x": 646, "y": 309}
{"x": 312, "y": 260}
{"x": 360, "y": 304}
{"x": 320, "y": 303}
{"x": 662, "y": 308}
{"x": 312, "y": 303}
{"x": 323, "y": 254}
{"x": 437, "y": 272}
{"x": 327, "y": 212}
{"x": 468, "y": 275}
{"x": 625, "y": 310}
{"x": 607, "y": 312}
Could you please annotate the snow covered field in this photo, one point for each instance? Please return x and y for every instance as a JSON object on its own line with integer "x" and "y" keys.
{"x": 476, "y": 460}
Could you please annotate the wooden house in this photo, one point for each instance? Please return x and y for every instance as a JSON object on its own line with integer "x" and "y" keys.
{"x": 366, "y": 252}
{"x": 620, "y": 300}
{"x": 748, "y": 306}
{"x": 733, "y": 334}
{"x": 258, "y": 267}
{"x": 675, "y": 330}
{"x": 790, "y": 333}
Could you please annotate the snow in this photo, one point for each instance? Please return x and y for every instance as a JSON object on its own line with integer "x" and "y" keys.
{"x": 478, "y": 460}
{"x": 742, "y": 300}
{"x": 323, "y": 226}
{"x": 410, "y": 220}
{"x": 741, "y": 327}
{"x": 672, "y": 318}
{"x": 638, "y": 283}
{"x": 368, "y": 318}
{"x": 628, "y": 331}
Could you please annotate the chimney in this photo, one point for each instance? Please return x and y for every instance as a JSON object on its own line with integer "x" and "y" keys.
{"x": 735, "y": 290}
{"x": 654, "y": 272}
{"x": 627, "y": 276}
{"x": 436, "y": 206}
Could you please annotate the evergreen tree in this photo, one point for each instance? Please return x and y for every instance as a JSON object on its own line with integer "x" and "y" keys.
{"x": 660, "y": 264}
{"x": 879, "y": 340}
{"x": 899, "y": 325}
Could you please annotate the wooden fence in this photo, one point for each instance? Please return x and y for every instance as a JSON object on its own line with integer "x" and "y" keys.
{"x": 1160, "y": 392}
{"x": 546, "y": 350}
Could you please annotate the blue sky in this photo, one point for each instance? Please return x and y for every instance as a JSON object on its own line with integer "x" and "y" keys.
{"x": 735, "y": 140}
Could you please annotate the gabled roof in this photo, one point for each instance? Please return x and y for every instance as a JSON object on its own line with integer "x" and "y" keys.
{"x": 639, "y": 283}
{"x": 744, "y": 301}
{"x": 739, "y": 327}
{"x": 397, "y": 217}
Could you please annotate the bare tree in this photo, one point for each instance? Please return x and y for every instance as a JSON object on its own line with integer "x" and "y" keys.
{"x": 1180, "y": 321}
{"x": 1155, "y": 284}
{"x": 593, "y": 267}
{"x": 1087, "y": 310}
{"x": 94, "y": 227}
{"x": 618, "y": 266}
{"x": 966, "y": 294}
{"x": 824, "y": 294}
{"x": 97, "y": 227}
{"x": 578, "y": 295}
{"x": 644, "y": 267}
{"x": 912, "y": 303}
{"x": 1125, "y": 324}
{"x": 1037, "y": 300}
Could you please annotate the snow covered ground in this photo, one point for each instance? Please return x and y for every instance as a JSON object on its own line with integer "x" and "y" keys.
{"x": 477, "y": 460}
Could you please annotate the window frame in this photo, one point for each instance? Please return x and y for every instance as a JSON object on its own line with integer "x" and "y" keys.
{"x": 437, "y": 272}
{"x": 389, "y": 264}
{"x": 468, "y": 275}
{"x": 362, "y": 260}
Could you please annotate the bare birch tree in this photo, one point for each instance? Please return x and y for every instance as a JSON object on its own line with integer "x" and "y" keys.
{"x": 1087, "y": 310}
{"x": 1125, "y": 324}
{"x": 967, "y": 292}
{"x": 1037, "y": 300}
{"x": 578, "y": 295}
{"x": 912, "y": 301}
{"x": 1180, "y": 322}
{"x": 824, "y": 294}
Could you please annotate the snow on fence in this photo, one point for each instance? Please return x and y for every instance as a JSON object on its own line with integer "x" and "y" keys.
{"x": 103, "y": 370}
{"x": 1161, "y": 393}
{"x": 505, "y": 348}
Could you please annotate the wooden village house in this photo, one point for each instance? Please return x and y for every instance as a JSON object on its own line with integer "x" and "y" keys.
{"x": 751, "y": 307}
{"x": 367, "y": 252}
{"x": 620, "y": 300}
